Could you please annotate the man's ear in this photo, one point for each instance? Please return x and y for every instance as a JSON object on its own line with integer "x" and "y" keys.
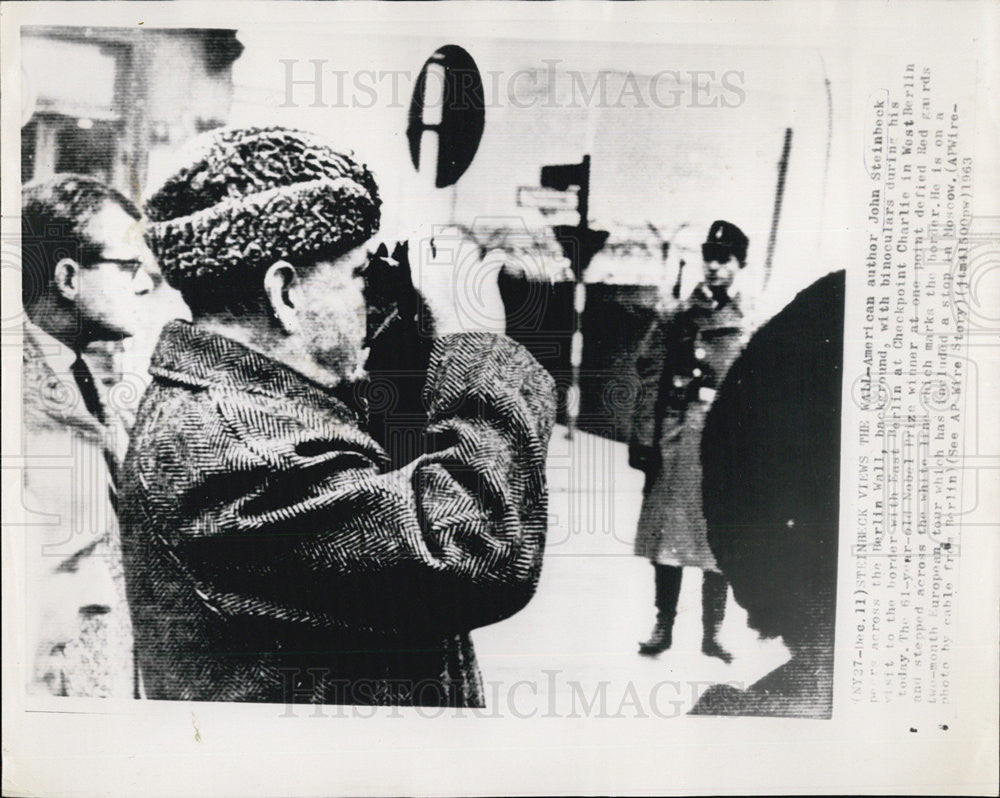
{"x": 66, "y": 279}
{"x": 278, "y": 281}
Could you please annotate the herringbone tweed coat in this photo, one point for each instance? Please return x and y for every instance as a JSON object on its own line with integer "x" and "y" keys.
{"x": 270, "y": 556}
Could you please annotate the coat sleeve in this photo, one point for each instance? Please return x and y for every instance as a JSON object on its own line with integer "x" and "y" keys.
{"x": 648, "y": 366}
{"x": 319, "y": 534}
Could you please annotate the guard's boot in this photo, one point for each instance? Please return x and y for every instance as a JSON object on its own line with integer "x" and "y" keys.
{"x": 713, "y": 611}
{"x": 668, "y": 589}
{"x": 661, "y": 638}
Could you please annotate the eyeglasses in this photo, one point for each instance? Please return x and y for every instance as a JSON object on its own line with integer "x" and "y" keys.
{"x": 127, "y": 264}
{"x": 133, "y": 267}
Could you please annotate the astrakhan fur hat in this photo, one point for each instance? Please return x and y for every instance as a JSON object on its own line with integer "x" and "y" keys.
{"x": 244, "y": 198}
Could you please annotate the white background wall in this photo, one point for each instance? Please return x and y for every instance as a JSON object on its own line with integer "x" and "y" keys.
{"x": 666, "y": 165}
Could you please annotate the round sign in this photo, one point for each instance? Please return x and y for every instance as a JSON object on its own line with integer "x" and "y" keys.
{"x": 447, "y": 100}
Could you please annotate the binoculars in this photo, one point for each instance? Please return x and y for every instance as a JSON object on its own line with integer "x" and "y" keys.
{"x": 390, "y": 296}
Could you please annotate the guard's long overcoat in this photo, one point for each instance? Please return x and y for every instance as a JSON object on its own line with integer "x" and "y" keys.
{"x": 679, "y": 365}
{"x": 271, "y": 557}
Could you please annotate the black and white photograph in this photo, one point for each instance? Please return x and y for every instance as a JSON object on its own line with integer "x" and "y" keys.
{"x": 604, "y": 367}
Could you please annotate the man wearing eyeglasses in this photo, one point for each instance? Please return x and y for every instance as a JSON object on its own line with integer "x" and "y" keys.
{"x": 84, "y": 284}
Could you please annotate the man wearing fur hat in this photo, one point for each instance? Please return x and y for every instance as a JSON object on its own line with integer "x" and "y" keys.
{"x": 271, "y": 554}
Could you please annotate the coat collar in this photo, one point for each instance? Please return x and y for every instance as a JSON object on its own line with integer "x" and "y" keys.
{"x": 192, "y": 356}
{"x": 49, "y": 388}
{"x": 57, "y": 356}
{"x": 48, "y": 384}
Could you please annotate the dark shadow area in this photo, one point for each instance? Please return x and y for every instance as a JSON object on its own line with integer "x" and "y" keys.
{"x": 771, "y": 488}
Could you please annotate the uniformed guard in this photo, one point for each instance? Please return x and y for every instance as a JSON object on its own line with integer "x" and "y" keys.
{"x": 681, "y": 363}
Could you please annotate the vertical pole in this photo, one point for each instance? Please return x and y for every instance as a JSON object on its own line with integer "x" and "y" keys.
{"x": 573, "y": 397}
{"x": 778, "y": 196}
{"x": 583, "y": 199}
{"x": 575, "y": 358}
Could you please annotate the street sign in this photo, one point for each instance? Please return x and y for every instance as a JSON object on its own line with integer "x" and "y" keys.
{"x": 448, "y": 110}
{"x": 579, "y": 243}
{"x": 546, "y": 199}
{"x": 562, "y": 176}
